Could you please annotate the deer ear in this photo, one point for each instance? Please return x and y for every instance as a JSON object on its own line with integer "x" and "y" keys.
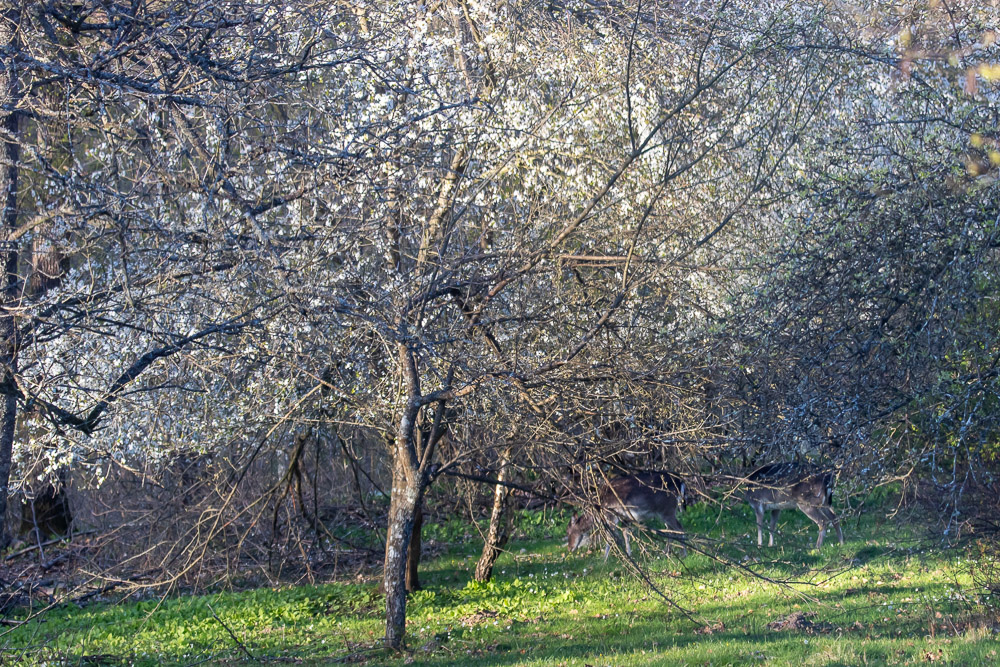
{"x": 573, "y": 519}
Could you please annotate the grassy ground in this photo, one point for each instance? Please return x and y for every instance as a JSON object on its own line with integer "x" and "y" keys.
{"x": 884, "y": 597}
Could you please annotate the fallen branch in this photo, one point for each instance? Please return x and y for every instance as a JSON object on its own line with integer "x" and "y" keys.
{"x": 64, "y": 538}
{"x": 107, "y": 588}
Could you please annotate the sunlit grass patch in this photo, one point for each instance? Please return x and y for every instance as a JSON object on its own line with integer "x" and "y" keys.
{"x": 884, "y": 597}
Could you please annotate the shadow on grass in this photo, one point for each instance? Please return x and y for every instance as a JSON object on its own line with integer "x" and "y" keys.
{"x": 656, "y": 647}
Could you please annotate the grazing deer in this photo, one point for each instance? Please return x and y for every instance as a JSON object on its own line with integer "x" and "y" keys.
{"x": 781, "y": 486}
{"x": 632, "y": 498}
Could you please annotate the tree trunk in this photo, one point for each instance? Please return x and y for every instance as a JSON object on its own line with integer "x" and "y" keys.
{"x": 10, "y": 97}
{"x": 413, "y": 452}
{"x": 403, "y": 506}
{"x": 413, "y": 555}
{"x": 499, "y": 530}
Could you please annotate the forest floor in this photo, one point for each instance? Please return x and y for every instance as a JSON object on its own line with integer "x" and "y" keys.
{"x": 890, "y": 595}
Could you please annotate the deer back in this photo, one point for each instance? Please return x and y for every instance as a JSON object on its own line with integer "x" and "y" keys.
{"x": 788, "y": 485}
{"x": 634, "y": 498}
{"x": 643, "y": 496}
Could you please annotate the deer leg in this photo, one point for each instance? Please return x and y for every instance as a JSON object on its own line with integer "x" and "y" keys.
{"x": 675, "y": 527}
{"x": 773, "y": 526}
{"x": 819, "y": 517}
{"x": 607, "y": 548}
{"x": 759, "y": 513}
{"x": 831, "y": 518}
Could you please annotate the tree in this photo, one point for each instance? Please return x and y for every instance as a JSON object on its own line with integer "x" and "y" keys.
{"x": 281, "y": 220}
{"x": 854, "y": 312}
{"x": 12, "y": 91}
{"x": 520, "y": 178}
{"x": 135, "y": 138}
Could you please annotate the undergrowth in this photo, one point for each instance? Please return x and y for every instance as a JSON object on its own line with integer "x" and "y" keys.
{"x": 887, "y": 596}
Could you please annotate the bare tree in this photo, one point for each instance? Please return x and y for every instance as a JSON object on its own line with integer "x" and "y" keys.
{"x": 12, "y": 92}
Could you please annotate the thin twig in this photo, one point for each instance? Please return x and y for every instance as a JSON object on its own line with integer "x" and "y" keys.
{"x": 232, "y": 634}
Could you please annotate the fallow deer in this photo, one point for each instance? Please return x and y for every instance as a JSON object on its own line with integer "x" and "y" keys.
{"x": 632, "y": 498}
{"x": 781, "y": 486}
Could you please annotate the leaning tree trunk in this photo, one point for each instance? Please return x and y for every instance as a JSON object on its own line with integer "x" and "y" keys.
{"x": 10, "y": 97}
{"x": 499, "y": 530}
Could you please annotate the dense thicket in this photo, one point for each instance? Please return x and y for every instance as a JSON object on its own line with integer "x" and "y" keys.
{"x": 264, "y": 257}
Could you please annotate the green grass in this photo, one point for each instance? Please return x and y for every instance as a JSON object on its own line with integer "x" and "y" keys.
{"x": 885, "y": 597}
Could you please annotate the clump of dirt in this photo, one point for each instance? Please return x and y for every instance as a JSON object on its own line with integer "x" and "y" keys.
{"x": 718, "y": 626}
{"x": 799, "y": 621}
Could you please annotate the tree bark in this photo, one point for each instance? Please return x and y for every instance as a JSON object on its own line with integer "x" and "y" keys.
{"x": 10, "y": 90}
{"x": 403, "y": 504}
{"x": 413, "y": 555}
{"x": 499, "y": 530}
{"x": 413, "y": 452}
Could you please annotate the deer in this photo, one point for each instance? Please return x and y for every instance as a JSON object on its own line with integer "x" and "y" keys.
{"x": 632, "y": 498}
{"x": 781, "y": 486}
